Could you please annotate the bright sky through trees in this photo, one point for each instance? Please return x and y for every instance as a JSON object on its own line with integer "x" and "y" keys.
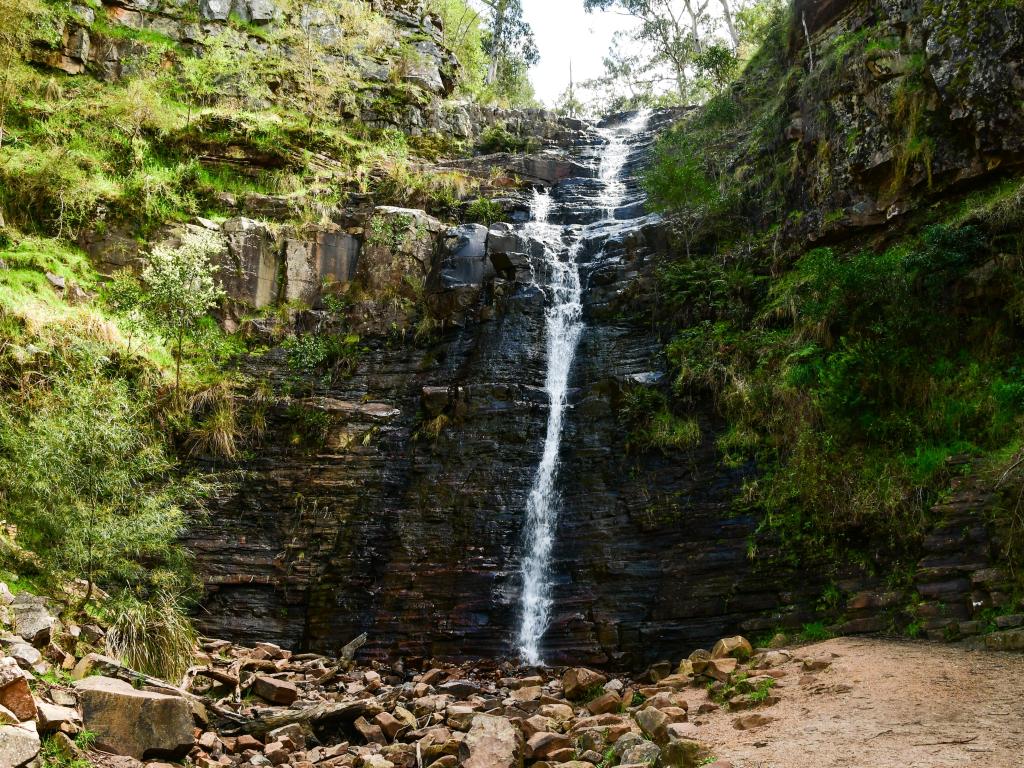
{"x": 565, "y": 32}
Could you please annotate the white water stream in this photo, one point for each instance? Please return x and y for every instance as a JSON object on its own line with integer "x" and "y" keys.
{"x": 564, "y": 326}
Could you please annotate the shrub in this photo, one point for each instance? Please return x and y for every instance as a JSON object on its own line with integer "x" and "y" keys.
{"x": 88, "y": 483}
{"x": 497, "y": 138}
{"x": 154, "y": 636}
{"x": 484, "y": 211}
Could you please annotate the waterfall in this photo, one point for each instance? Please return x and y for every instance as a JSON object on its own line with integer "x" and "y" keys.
{"x": 564, "y": 326}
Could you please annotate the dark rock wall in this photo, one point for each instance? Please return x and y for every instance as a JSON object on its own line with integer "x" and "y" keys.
{"x": 408, "y": 525}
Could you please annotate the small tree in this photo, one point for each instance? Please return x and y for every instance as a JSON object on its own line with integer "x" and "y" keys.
{"x": 181, "y": 286}
{"x": 677, "y": 182}
{"x": 87, "y": 483}
{"x": 124, "y": 295}
{"x": 202, "y": 76}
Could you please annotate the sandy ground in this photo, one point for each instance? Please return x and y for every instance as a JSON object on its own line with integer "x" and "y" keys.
{"x": 909, "y": 705}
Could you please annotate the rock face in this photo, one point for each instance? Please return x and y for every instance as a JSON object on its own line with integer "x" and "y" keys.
{"x": 133, "y": 722}
{"x": 406, "y": 519}
{"x": 416, "y": 536}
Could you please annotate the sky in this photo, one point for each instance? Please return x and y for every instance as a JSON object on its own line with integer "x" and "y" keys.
{"x": 565, "y": 32}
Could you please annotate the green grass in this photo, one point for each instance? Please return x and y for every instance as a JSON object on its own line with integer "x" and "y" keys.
{"x": 813, "y": 632}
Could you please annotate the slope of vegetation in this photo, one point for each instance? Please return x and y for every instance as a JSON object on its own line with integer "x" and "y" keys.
{"x": 858, "y": 378}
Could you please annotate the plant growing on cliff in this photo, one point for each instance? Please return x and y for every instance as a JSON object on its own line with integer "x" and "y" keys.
{"x": 181, "y": 286}
{"x": 677, "y": 181}
{"x": 484, "y": 211}
{"x": 463, "y": 35}
{"x": 202, "y": 77}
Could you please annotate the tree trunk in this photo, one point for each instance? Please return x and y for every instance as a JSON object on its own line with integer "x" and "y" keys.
{"x": 5, "y": 99}
{"x": 177, "y": 359}
{"x": 694, "y": 14}
{"x": 730, "y": 24}
{"x": 497, "y": 40}
{"x": 88, "y": 563}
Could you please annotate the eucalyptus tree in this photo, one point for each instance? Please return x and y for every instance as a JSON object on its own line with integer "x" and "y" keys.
{"x": 677, "y": 33}
{"x": 509, "y": 42}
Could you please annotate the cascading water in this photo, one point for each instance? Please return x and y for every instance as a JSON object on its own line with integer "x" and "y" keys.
{"x": 564, "y": 325}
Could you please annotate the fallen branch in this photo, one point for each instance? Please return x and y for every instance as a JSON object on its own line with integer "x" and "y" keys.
{"x": 349, "y": 651}
{"x": 944, "y": 743}
{"x": 318, "y": 714}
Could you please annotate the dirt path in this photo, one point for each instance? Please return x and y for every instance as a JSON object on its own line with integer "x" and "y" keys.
{"x": 909, "y": 705}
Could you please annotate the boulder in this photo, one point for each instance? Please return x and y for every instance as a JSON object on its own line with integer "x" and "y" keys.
{"x": 95, "y": 664}
{"x": 817, "y": 662}
{"x": 32, "y": 619}
{"x": 215, "y": 10}
{"x": 720, "y": 669}
{"x": 15, "y": 694}
{"x": 391, "y": 725}
{"x": 750, "y": 721}
{"x": 544, "y": 743}
{"x": 527, "y": 693}
{"x": 275, "y": 691}
{"x": 372, "y": 734}
{"x": 699, "y": 660}
{"x": 738, "y": 647}
{"x": 578, "y": 681}
{"x": 27, "y": 657}
{"x": 276, "y": 752}
{"x": 534, "y": 725}
{"x": 132, "y": 722}
{"x": 681, "y": 753}
{"x": 460, "y": 689}
{"x": 1007, "y": 640}
{"x": 492, "y": 742}
{"x": 642, "y": 753}
{"x": 559, "y": 712}
{"x": 261, "y": 11}
{"x": 606, "y": 702}
{"x": 654, "y": 723}
{"x": 19, "y": 744}
{"x": 51, "y": 717}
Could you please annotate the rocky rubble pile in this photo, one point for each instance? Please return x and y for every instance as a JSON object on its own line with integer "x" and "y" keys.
{"x": 265, "y": 706}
